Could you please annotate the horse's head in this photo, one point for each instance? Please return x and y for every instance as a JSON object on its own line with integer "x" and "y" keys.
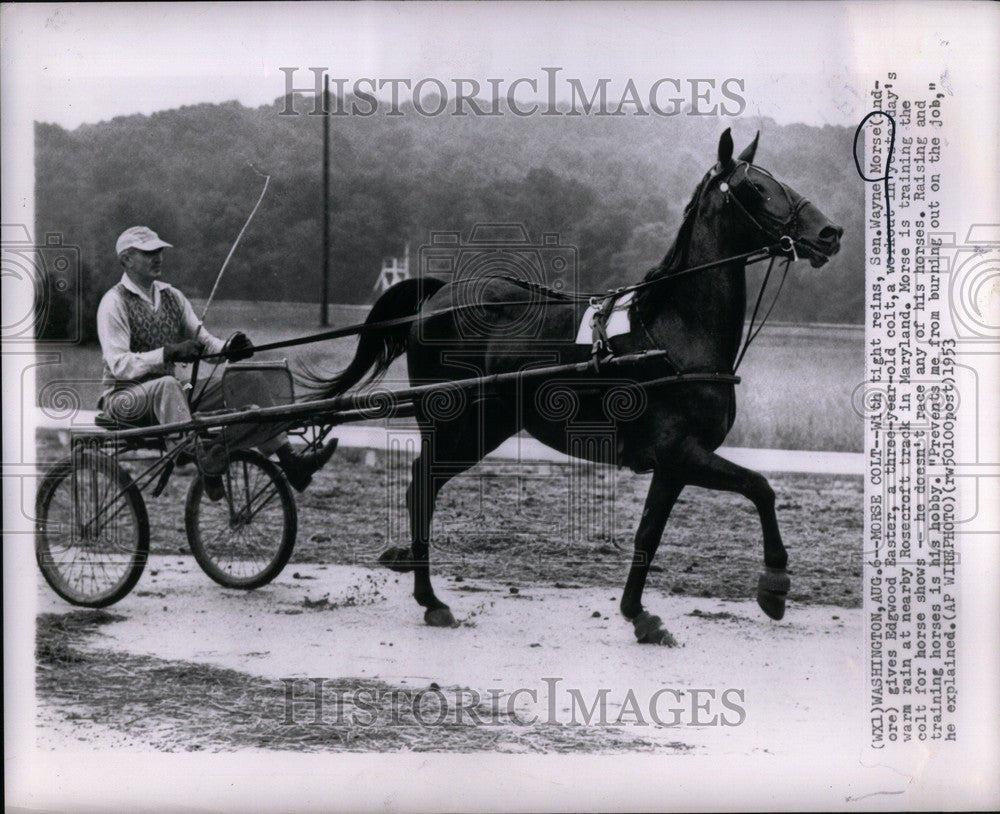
{"x": 762, "y": 210}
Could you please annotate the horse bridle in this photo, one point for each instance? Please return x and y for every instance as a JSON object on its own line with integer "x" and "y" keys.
{"x": 772, "y": 228}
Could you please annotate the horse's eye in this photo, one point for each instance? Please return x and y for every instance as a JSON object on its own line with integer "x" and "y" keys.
{"x": 756, "y": 191}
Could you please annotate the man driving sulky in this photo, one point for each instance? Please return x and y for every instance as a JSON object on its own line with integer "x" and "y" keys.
{"x": 147, "y": 326}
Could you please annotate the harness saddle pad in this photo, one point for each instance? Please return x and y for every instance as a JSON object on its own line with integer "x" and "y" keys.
{"x": 618, "y": 322}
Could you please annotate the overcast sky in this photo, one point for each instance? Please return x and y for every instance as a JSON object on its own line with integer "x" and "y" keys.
{"x": 805, "y": 62}
{"x": 72, "y": 64}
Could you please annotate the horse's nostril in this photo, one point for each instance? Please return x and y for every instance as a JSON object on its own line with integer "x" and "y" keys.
{"x": 830, "y": 234}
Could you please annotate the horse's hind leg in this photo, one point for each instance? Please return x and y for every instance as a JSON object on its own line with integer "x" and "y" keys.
{"x": 663, "y": 493}
{"x": 704, "y": 468}
{"x": 425, "y": 484}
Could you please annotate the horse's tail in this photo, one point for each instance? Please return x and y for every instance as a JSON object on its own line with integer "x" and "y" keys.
{"x": 377, "y": 348}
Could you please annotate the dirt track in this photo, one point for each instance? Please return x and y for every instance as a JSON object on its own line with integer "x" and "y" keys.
{"x": 355, "y": 625}
{"x": 533, "y": 602}
{"x": 522, "y": 523}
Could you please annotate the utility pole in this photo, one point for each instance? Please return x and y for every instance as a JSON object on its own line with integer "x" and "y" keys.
{"x": 324, "y": 318}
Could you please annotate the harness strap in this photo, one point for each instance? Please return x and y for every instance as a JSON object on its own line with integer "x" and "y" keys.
{"x": 353, "y": 330}
{"x": 373, "y": 327}
{"x": 786, "y": 243}
{"x": 751, "y": 333}
{"x": 783, "y": 247}
{"x": 601, "y": 349}
{"x": 780, "y": 247}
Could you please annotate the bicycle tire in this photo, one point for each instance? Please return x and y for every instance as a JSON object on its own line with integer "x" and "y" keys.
{"x": 76, "y": 565}
{"x": 219, "y": 532}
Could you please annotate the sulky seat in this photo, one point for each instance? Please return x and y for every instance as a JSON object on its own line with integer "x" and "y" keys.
{"x": 109, "y": 422}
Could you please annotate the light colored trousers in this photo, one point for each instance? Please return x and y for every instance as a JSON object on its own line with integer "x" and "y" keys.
{"x": 164, "y": 401}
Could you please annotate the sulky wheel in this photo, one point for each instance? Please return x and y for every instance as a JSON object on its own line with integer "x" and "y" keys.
{"x": 92, "y": 531}
{"x": 245, "y": 538}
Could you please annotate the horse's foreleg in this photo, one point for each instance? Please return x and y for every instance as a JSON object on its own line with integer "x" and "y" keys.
{"x": 704, "y": 468}
{"x": 660, "y": 499}
{"x": 420, "y": 499}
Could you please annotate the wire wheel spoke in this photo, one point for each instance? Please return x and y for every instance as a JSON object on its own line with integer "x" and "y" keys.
{"x": 92, "y": 530}
{"x": 244, "y": 539}
{"x": 238, "y": 532}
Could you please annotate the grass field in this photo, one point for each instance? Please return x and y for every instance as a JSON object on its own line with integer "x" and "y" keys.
{"x": 796, "y": 390}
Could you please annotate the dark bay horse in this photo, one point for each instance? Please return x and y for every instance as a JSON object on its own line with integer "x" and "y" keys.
{"x": 697, "y": 318}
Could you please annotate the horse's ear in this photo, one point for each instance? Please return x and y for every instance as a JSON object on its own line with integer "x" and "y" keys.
{"x": 748, "y": 154}
{"x": 725, "y": 149}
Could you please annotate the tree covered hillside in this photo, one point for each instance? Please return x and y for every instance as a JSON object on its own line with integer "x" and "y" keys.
{"x": 612, "y": 186}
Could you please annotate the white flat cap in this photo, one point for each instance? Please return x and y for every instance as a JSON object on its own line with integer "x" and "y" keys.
{"x": 140, "y": 237}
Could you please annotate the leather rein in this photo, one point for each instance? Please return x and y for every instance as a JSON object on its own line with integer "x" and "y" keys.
{"x": 782, "y": 245}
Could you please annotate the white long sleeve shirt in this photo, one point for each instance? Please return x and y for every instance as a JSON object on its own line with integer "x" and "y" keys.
{"x": 114, "y": 333}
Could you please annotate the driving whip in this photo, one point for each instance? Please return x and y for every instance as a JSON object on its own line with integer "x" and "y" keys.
{"x": 267, "y": 180}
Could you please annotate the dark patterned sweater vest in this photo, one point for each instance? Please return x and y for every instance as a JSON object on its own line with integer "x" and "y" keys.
{"x": 152, "y": 329}
{"x": 149, "y": 329}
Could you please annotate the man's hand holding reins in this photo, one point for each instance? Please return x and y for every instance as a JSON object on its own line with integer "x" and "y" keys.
{"x": 238, "y": 347}
{"x": 185, "y": 351}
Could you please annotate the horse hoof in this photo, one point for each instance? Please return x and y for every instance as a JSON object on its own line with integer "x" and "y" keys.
{"x": 662, "y": 637}
{"x": 772, "y": 588}
{"x": 440, "y": 617}
{"x": 649, "y": 630}
{"x": 772, "y": 604}
{"x": 397, "y": 559}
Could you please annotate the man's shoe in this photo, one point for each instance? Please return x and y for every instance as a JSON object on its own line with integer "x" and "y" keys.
{"x": 299, "y": 468}
{"x": 215, "y": 489}
{"x": 212, "y": 458}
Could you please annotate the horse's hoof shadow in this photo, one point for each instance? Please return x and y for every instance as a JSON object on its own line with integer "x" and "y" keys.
{"x": 397, "y": 559}
{"x": 440, "y": 617}
{"x": 772, "y": 589}
{"x": 649, "y": 630}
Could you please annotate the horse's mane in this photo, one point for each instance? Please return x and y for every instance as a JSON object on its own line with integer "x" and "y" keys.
{"x": 676, "y": 256}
